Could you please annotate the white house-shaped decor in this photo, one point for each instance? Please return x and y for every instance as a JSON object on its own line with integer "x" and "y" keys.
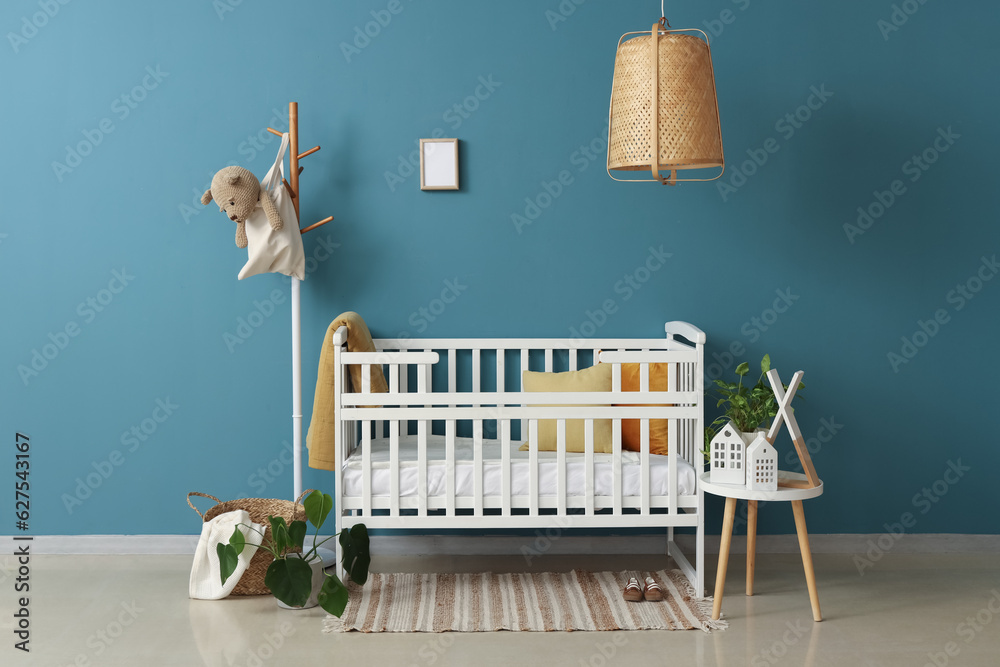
{"x": 762, "y": 466}
{"x": 728, "y": 457}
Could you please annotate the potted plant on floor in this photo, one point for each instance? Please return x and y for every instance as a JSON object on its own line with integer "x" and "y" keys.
{"x": 296, "y": 577}
{"x": 750, "y": 408}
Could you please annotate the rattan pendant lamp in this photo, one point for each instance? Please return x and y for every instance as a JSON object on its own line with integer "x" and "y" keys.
{"x": 663, "y": 103}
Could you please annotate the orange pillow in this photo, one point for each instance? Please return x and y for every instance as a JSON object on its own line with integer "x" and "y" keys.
{"x": 659, "y": 380}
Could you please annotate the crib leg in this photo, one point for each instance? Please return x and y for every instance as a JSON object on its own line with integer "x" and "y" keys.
{"x": 338, "y": 525}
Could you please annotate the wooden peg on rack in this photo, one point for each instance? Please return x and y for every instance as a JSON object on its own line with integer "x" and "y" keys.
{"x": 293, "y": 158}
{"x": 317, "y": 224}
{"x": 308, "y": 152}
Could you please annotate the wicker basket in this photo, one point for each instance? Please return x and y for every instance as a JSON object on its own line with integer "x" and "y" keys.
{"x": 252, "y": 581}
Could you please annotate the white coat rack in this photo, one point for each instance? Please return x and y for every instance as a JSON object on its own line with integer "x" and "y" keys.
{"x": 293, "y": 189}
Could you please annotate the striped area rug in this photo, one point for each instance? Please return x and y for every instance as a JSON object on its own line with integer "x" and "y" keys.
{"x": 543, "y": 602}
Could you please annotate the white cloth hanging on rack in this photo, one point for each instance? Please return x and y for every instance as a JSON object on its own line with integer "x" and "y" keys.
{"x": 270, "y": 251}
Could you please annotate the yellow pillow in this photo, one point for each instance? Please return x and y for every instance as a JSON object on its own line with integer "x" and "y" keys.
{"x": 595, "y": 378}
{"x": 659, "y": 380}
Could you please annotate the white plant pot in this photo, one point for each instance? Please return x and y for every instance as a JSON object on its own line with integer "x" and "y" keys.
{"x": 749, "y": 436}
{"x": 318, "y": 575}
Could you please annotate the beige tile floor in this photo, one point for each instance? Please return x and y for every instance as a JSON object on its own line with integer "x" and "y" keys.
{"x": 133, "y": 610}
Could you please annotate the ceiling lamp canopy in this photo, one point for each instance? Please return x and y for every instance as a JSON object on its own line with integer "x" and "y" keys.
{"x": 663, "y": 103}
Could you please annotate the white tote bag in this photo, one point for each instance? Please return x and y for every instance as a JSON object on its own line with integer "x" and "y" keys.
{"x": 206, "y": 576}
{"x": 270, "y": 251}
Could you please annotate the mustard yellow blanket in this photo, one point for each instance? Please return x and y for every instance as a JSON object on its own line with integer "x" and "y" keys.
{"x": 322, "y": 437}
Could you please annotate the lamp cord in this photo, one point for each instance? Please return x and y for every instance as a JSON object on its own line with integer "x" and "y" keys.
{"x": 663, "y": 15}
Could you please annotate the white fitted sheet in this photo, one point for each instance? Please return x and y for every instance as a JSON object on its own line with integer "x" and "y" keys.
{"x": 492, "y": 479}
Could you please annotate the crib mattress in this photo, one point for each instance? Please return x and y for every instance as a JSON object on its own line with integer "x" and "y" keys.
{"x": 492, "y": 479}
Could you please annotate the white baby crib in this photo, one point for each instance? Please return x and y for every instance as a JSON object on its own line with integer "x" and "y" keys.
{"x": 440, "y": 449}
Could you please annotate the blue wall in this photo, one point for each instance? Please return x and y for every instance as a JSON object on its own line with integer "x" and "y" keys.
{"x": 111, "y": 242}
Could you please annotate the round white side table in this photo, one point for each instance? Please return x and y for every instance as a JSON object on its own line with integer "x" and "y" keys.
{"x": 734, "y": 492}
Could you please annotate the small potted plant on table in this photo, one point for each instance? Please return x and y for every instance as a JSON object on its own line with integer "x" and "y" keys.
{"x": 749, "y": 408}
{"x": 296, "y": 578}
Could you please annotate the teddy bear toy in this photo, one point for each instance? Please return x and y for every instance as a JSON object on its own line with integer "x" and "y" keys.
{"x": 237, "y": 192}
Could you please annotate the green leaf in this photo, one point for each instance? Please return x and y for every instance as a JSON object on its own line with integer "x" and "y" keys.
{"x": 228, "y": 560}
{"x": 290, "y": 580}
{"x": 359, "y": 571}
{"x": 743, "y": 369}
{"x": 765, "y": 364}
{"x": 357, "y": 556}
{"x": 296, "y": 534}
{"x": 333, "y": 595}
{"x": 318, "y": 506}
{"x": 279, "y": 533}
{"x": 237, "y": 541}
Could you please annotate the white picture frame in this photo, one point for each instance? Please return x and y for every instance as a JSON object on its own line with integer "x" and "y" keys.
{"x": 439, "y": 164}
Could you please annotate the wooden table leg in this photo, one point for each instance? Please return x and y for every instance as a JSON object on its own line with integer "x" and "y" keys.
{"x": 751, "y": 542}
{"x": 727, "y": 537}
{"x": 807, "y": 561}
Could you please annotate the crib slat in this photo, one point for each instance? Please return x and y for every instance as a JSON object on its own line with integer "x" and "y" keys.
{"x": 533, "y": 468}
{"x": 682, "y": 380}
{"x": 644, "y": 464}
{"x": 616, "y": 465}
{"x": 672, "y": 437}
{"x": 428, "y": 385}
{"x": 366, "y": 468}
{"x": 366, "y": 378}
{"x": 477, "y": 453}
{"x": 520, "y": 385}
{"x": 422, "y": 490}
{"x": 393, "y": 469}
{"x": 616, "y": 443}
{"x": 476, "y": 362}
{"x": 380, "y": 424}
{"x": 548, "y": 360}
{"x": 573, "y": 359}
{"x": 501, "y": 369}
{"x": 345, "y": 448}
{"x": 505, "y": 465}
{"x": 452, "y": 372}
{"x": 403, "y": 384}
{"x": 588, "y": 445}
{"x": 393, "y": 375}
{"x": 561, "y": 467}
{"x": 449, "y": 468}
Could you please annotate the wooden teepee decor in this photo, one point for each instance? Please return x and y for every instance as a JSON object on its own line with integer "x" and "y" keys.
{"x": 787, "y": 414}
